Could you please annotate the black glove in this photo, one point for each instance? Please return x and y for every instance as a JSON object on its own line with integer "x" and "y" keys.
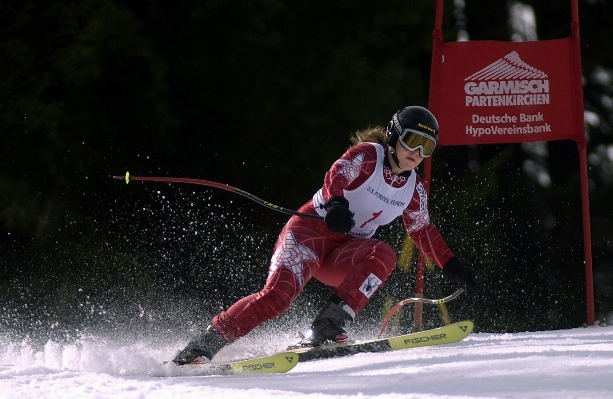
{"x": 338, "y": 219}
{"x": 454, "y": 269}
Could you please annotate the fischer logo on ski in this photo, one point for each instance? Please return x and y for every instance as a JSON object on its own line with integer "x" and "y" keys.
{"x": 434, "y": 337}
{"x": 253, "y": 367}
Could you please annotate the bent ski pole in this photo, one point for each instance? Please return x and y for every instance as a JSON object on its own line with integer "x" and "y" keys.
{"x": 422, "y": 300}
{"x": 208, "y": 183}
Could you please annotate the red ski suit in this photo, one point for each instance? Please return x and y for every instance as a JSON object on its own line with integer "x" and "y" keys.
{"x": 354, "y": 263}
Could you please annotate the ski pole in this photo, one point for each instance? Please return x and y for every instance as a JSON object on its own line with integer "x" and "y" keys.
{"x": 208, "y": 183}
{"x": 422, "y": 300}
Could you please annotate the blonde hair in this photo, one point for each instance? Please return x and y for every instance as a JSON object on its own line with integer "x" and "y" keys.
{"x": 376, "y": 134}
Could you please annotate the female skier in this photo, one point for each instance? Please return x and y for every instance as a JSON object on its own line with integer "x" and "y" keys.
{"x": 369, "y": 186}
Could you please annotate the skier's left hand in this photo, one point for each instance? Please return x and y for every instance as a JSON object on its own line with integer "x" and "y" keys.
{"x": 456, "y": 270}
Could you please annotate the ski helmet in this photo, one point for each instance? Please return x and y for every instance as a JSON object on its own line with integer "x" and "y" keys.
{"x": 416, "y": 128}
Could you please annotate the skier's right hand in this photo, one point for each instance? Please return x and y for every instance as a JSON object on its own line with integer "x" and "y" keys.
{"x": 338, "y": 219}
{"x": 456, "y": 270}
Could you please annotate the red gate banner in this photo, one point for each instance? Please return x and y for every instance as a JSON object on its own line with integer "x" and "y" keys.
{"x": 507, "y": 92}
{"x": 494, "y": 92}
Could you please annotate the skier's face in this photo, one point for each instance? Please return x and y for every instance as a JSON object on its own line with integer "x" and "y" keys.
{"x": 407, "y": 159}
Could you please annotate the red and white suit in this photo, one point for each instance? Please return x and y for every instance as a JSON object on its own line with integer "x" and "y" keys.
{"x": 354, "y": 263}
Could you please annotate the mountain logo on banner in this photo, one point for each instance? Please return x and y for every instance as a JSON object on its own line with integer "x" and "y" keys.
{"x": 508, "y": 67}
{"x": 508, "y": 81}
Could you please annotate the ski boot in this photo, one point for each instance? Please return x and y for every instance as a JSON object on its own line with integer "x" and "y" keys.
{"x": 329, "y": 325}
{"x": 201, "y": 348}
{"x": 304, "y": 339}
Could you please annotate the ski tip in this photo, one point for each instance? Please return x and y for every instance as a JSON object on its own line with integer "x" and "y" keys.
{"x": 466, "y": 326}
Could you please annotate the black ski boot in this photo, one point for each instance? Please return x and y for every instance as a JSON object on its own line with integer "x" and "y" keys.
{"x": 201, "y": 348}
{"x": 329, "y": 325}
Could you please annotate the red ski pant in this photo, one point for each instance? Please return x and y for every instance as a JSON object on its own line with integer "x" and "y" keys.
{"x": 305, "y": 249}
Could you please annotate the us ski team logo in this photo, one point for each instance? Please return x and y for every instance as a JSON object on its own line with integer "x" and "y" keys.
{"x": 506, "y": 82}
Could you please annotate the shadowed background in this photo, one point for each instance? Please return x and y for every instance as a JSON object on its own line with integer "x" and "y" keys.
{"x": 264, "y": 95}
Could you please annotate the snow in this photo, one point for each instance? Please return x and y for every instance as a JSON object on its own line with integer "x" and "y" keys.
{"x": 576, "y": 363}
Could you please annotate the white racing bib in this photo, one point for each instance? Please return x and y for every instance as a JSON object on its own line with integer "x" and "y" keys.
{"x": 375, "y": 202}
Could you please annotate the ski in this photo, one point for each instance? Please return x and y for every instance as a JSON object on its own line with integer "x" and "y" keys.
{"x": 438, "y": 336}
{"x": 281, "y": 362}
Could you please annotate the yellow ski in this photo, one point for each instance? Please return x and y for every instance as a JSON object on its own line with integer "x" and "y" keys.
{"x": 443, "y": 335}
{"x": 277, "y": 363}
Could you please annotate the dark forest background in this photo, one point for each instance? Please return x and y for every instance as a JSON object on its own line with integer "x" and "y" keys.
{"x": 264, "y": 95}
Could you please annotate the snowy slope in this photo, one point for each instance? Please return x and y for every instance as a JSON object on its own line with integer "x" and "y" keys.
{"x": 574, "y": 363}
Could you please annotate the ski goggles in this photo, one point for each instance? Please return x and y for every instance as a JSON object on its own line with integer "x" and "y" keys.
{"x": 414, "y": 140}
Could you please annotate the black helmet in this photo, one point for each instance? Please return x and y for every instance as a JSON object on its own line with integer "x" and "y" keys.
{"x": 416, "y": 127}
